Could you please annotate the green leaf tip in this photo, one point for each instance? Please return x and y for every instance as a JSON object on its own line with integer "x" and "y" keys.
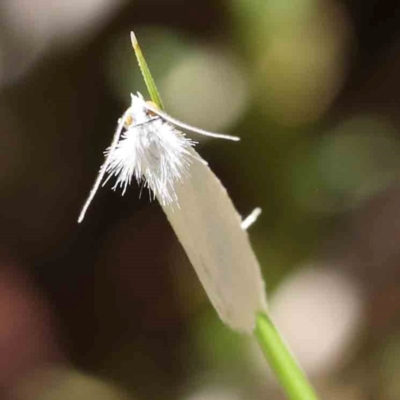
{"x": 134, "y": 40}
{"x": 148, "y": 78}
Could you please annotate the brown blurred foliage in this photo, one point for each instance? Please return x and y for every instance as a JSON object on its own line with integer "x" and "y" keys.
{"x": 115, "y": 297}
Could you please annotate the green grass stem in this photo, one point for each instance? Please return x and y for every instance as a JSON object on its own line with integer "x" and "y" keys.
{"x": 276, "y": 352}
{"x": 288, "y": 372}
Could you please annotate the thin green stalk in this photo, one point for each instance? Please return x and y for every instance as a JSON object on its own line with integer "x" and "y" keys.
{"x": 277, "y": 354}
{"x": 288, "y": 372}
{"x": 148, "y": 78}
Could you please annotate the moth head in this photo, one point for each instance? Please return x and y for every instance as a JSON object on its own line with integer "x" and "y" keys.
{"x": 131, "y": 119}
{"x": 138, "y": 113}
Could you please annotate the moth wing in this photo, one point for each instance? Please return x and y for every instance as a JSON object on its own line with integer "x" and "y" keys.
{"x": 209, "y": 228}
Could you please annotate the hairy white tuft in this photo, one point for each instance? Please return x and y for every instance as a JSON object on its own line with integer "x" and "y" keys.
{"x": 155, "y": 153}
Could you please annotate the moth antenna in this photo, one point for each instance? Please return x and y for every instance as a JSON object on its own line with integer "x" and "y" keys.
{"x": 187, "y": 127}
{"x": 103, "y": 168}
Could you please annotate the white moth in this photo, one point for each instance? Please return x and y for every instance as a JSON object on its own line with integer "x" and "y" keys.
{"x": 148, "y": 146}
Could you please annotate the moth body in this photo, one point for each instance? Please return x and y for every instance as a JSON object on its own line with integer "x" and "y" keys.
{"x": 152, "y": 151}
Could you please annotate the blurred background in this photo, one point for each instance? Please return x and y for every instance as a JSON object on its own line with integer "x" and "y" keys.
{"x": 111, "y": 308}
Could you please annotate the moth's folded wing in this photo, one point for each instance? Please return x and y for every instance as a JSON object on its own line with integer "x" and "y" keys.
{"x": 208, "y": 227}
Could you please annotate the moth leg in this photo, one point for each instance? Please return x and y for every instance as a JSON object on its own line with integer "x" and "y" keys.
{"x": 250, "y": 219}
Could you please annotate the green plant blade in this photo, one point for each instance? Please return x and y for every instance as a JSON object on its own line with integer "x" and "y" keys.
{"x": 289, "y": 374}
{"x": 148, "y": 79}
